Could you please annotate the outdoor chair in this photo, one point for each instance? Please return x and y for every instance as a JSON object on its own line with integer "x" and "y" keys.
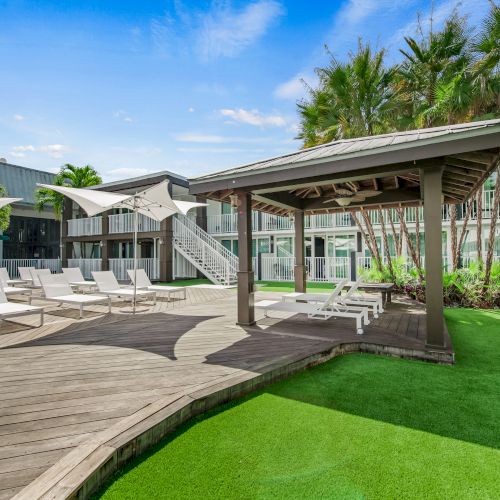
{"x": 144, "y": 283}
{"x": 107, "y": 284}
{"x": 75, "y": 278}
{"x": 13, "y": 290}
{"x": 6, "y": 279}
{"x": 327, "y": 309}
{"x": 35, "y": 276}
{"x": 11, "y": 309}
{"x": 25, "y": 274}
{"x": 374, "y": 304}
{"x": 57, "y": 289}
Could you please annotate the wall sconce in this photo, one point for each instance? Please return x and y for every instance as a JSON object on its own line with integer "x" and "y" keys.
{"x": 101, "y": 244}
{"x": 160, "y": 241}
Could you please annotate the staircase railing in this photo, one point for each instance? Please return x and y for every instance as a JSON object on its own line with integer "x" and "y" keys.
{"x": 206, "y": 253}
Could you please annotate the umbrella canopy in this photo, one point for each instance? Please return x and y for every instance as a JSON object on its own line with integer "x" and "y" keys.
{"x": 7, "y": 201}
{"x": 154, "y": 202}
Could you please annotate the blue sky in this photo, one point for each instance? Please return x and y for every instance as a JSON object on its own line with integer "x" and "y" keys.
{"x": 133, "y": 87}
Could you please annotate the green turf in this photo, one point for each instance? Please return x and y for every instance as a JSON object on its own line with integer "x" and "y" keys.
{"x": 264, "y": 286}
{"x": 359, "y": 426}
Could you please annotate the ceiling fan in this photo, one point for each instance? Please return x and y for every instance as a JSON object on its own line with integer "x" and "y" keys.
{"x": 345, "y": 197}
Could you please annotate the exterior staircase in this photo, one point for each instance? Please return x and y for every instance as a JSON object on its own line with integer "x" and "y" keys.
{"x": 211, "y": 258}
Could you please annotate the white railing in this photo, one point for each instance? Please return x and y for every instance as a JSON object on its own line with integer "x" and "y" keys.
{"x": 204, "y": 252}
{"x": 318, "y": 268}
{"x": 124, "y": 223}
{"x": 86, "y": 266}
{"x": 12, "y": 264}
{"x": 182, "y": 267}
{"x": 121, "y": 266}
{"x": 85, "y": 227}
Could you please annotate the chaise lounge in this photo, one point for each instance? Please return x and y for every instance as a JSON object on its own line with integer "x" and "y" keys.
{"x": 144, "y": 283}
{"x": 57, "y": 289}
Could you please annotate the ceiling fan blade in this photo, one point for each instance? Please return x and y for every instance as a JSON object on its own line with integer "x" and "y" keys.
{"x": 357, "y": 198}
{"x": 368, "y": 193}
{"x": 343, "y": 192}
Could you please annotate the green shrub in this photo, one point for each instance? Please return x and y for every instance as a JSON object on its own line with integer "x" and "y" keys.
{"x": 461, "y": 288}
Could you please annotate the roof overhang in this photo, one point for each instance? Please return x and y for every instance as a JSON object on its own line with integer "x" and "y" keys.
{"x": 305, "y": 179}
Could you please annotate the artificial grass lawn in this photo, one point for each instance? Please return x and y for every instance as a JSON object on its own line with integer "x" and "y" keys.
{"x": 264, "y": 286}
{"x": 358, "y": 426}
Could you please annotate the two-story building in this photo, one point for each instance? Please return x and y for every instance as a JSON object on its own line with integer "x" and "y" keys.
{"x": 31, "y": 234}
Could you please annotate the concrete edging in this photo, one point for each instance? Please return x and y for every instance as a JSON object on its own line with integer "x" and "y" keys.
{"x": 85, "y": 469}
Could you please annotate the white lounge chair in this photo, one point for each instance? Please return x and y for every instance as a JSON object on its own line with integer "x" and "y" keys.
{"x": 372, "y": 303}
{"x": 75, "y": 278}
{"x": 25, "y": 274}
{"x": 144, "y": 283}
{"x": 35, "y": 277}
{"x": 13, "y": 290}
{"x": 352, "y": 298}
{"x": 11, "y": 309}
{"x": 107, "y": 284}
{"x": 323, "y": 310}
{"x": 6, "y": 279}
{"x": 57, "y": 289}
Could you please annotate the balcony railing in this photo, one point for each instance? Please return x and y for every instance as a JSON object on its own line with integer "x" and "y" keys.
{"x": 121, "y": 266}
{"x": 86, "y": 266}
{"x": 85, "y": 227}
{"x": 124, "y": 223}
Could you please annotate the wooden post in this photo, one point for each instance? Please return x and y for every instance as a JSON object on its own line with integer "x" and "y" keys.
{"x": 167, "y": 246}
{"x": 66, "y": 247}
{"x": 246, "y": 312}
{"x": 106, "y": 243}
{"x": 299, "y": 270}
{"x": 431, "y": 180}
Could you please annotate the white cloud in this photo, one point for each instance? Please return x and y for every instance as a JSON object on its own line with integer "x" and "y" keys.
{"x": 219, "y": 150}
{"x": 254, "y": 117}
{"x": 191, "y": 110}
{"x": 295, "y": 88}
{"x": 219, "y": 31}
{"x": 18, "y": 118}
{"x": 194, "y": 137}
{"x": 226, "y": 33}
{"x": 123, "y": 116}
{"x": 53, "y": 150}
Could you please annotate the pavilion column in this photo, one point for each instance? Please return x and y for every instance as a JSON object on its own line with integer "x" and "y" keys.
{"x": 106, "y": 243}
{"x": 246, "y": 313}
{"x": 166, "y": 249}
{"x": 431, "y": 181}
{"x": 299, "y": 270}
{"x": 66, "y": 246}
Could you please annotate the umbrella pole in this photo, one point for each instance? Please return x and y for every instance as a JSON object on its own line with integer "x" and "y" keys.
{"x": 136, "y": 228}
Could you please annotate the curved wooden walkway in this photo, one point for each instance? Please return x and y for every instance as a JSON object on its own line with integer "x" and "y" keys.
{"x": 67, "y": 384}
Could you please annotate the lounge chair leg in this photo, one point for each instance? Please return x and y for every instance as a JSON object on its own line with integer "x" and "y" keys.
{"x": 109, "y": 304}
{"x": 359, "y": 329}
{"x": 41, "y": 318}
{"x": 81, "y": 311}
{"x": 30, "y": 298}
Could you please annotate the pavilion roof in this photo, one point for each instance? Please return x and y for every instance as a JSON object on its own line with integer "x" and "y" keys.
{"x": 389, "y": 163}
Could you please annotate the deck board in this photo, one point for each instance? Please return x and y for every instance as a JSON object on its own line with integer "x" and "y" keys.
{"x": 62, "y": 383}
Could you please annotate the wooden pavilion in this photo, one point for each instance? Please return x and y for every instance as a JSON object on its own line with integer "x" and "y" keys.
{"x": 427, "y": 167}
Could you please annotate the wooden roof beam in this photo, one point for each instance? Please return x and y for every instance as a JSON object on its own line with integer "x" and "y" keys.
{"x": 478, "y": 157}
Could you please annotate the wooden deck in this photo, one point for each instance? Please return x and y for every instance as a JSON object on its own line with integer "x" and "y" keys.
{"x": 66, "y": 383}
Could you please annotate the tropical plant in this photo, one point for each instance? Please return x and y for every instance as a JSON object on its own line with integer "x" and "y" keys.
{"x": 5, "y": 211}
{"x": 70, "y": 176}
{"x": 354, "y": 99}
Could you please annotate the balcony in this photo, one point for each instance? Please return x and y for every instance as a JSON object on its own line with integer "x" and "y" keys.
{"x": 263, "y": 222}
{"x": 124, "y": 223}
{"x": 85, "y": 227}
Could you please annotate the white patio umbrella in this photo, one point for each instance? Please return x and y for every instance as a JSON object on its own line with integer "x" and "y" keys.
{"x": 7, "y": 201}
{"x": 154, "y": 202}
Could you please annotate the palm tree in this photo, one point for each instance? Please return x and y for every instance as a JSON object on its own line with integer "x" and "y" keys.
{"x": 486, "y": 77}
{"x": 434, "y": 77}
{"x": 354, "y": 99}
{"x": 70, "y": 176}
